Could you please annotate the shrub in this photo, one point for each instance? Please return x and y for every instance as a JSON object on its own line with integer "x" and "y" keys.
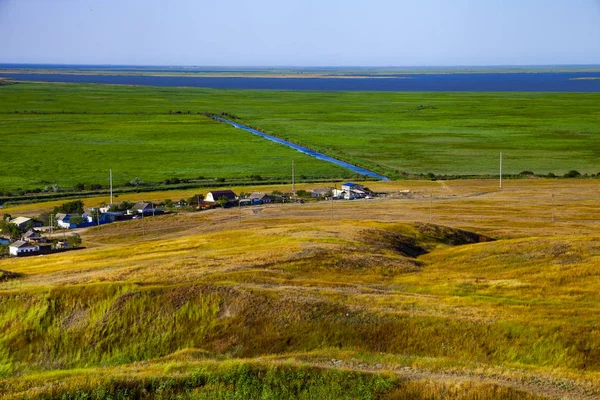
{"x": 572, "y": 174}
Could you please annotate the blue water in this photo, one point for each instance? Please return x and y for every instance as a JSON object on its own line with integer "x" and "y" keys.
{"x": 306, "y": 150}
{"x": 481, "y": 82}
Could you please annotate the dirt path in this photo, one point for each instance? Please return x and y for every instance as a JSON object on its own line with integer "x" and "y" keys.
{"x": 557, "y": 389}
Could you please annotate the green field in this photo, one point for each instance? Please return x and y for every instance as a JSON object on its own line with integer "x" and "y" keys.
{"x": 73, "y": 133}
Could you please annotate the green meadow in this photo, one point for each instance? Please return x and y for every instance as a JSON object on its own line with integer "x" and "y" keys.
{"x": 73, "y": 133}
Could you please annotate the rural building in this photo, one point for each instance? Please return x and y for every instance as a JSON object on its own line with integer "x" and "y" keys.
{"x": 245, "y": 202}
{"x": 112, "y": 216}
{"x": 4, "y": 241}
{"x": 21, "y": 247}
{"x": 320, "y": 192}
{"x": 32, "y": 236}
{"x": 260, "y": 198}
{"x": 214, "y": 196}
{"x": 63, "y": 245}
{"x": 21, "y": 222}
{"x": 349, "y": 186}
{"x": 141, "y": 208}
{"x": 106, "y": 208}
{"x": 67, "y": 221}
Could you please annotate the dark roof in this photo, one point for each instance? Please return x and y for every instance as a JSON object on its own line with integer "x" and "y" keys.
{"x": 141, "y": 206}
{"x": 217, "y": 194}
{"x": 258, "y": 195}
{"x": 31, "y": 234}
{"x": 61, "y": 216}
{"x": 21, "y": 243}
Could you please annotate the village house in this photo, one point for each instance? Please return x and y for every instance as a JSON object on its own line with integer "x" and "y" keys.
{"x": 112, "y": 216}
{"x": 245, "y": 202}
{"x": 350, "y": 191}
{"x": 141, "y": 208}
{"x": 260, "y": 198}
{"x": 67, "y": 221}
{"x": 320, "y": 192}
{"x": 63, "y": 245}
{"x": 21, "y": 222}
{"x": 214, "y": 196}
{"x": 349, "y": 186}
{"x": 32, "y": 236}
{"x": 20, "y": 248}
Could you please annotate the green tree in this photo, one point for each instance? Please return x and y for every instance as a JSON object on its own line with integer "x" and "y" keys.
{"x": 10, "y": 230}
{"x": 74, "y": 240}
{"x": 222, "y": 201}
{"x": 303, "y": 193}
{"x": 71, "y": 207}
{"x": 195, "y": 199}
{"x": 136, "y": 182}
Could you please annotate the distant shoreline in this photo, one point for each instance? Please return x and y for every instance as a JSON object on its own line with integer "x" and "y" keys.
{"x": 284, "y": 72}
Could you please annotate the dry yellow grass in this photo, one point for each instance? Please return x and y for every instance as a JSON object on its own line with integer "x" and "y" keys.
{"x": 292, "y": 280}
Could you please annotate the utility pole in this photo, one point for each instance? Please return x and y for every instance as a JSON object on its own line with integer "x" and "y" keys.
{"x": 111, "y": 196}
{"x": 552, "y": 207}
{"x": 332, "y": 196}
{"x": 430, "y": 205}
{"x": 293, "y": 179}
{"x": 143, "y": 230}
{"x": 98, "y": 215}
{"x": 500, "y": 170}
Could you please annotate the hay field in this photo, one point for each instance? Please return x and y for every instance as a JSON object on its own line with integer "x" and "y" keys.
{"x": 472, "y": 293}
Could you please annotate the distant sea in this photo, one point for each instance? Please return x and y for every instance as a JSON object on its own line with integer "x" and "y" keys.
{"x": 452, "y": 82}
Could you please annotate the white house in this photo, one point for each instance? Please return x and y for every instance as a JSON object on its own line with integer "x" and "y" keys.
{"x": 141, "y": 208}
{"x": 65, "y": 220}
{"x": 21, "y": 247}
{"x": 349, "y": 186}
{"x": 214, "y": 196}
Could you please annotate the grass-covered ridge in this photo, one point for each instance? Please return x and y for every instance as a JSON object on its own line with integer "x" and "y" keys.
{"x": 407, "y": 308}
{"x": 129, "y": 129}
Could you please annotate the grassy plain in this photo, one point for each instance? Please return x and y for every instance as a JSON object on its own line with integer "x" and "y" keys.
{"x": 290, "y": 302}
{"x": 77, "y": 131}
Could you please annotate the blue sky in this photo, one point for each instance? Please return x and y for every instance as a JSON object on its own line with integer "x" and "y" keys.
{"x": 300, "y": 32}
